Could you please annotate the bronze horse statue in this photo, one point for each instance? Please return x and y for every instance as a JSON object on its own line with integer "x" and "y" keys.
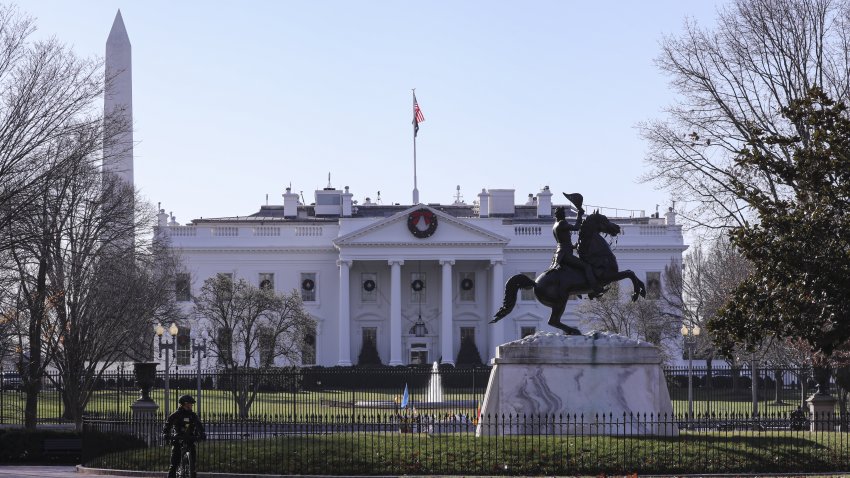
{"x": 553, "y": 287}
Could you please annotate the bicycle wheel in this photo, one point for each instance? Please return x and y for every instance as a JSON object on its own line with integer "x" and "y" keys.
{"x": 184, "y": 470}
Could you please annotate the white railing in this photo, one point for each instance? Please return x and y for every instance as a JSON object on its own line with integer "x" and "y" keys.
{"x": 182, "y": 231}
{"x": 225, "y": 231}
{"x": 653, "y": 230}
{"x": 266, "y": 231}
{"x": 308, "y": 230}
{"x": 528, "y": 230}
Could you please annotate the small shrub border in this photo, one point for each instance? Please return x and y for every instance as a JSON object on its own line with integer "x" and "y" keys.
{"x": 18, "y": 445}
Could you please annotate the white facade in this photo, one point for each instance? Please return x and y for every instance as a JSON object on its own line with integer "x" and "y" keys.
{"x": 341, "y": 247}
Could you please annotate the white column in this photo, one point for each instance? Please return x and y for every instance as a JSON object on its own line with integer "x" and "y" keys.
{"x": 446, "y": 326}
{"x": 344, "y": 314}
{"x": 395, "y": 312}
{"x": 497, "y": 295}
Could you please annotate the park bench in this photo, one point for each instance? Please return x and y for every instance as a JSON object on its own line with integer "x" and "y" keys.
{"x": 63, "y": 446}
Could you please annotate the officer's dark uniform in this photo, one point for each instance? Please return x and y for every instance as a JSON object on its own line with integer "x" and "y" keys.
{"x": 564, "y": 252}
{"x": 182, "y": 423}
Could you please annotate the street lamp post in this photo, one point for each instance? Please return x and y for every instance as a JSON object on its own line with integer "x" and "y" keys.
{"x": 690, "y": 334}
{"x": 199, "y": 348}
{"x": 170, "y": 349}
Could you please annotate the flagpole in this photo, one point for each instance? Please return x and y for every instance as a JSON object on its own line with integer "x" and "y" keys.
{"x": 415, "y": 189}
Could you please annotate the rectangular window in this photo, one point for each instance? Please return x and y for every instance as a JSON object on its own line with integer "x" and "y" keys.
{"x": 527, "y": 294}
{"x": 183, "y": 287}
{"x": 467, "y": 286}
{"x": 526, "y": 331}
{"x": 266, "y": 342}
{"x": 266, "y": 281}
{"x": 418, "y": 354}
{"x": 369, "y": 287}
{"x": 653, "y": 285}
{"x": 417, "y": 288}
{"x": 308, "y": 286}
{"x": 184, "y": 346}
{"x": 328, "y": 199}
{"x": 225, "y": 345}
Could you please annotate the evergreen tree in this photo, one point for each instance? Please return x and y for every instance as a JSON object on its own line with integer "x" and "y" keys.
{"x": 468, "y": 354}
{"x": 368, "y": 354}
{"x": 800, "y": 246}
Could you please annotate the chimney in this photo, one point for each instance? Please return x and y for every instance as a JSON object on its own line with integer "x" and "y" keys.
{"x": 162, "y": 218}
{"x": 346, "y": 203}
{"x": 544, "y": 202}
{"x": 502, "y": 202}
{"x": 290, "y": 203}
{"x": 484, "y": 203}
{"x": 671, "y": 217}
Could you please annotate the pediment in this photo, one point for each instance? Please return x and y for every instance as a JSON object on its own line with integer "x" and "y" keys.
{"x": 393, "y": 231}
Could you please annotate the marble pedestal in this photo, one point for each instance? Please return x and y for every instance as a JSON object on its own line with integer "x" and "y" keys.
{"x": 593, "y": 384}
{"x": 822, "y": 410}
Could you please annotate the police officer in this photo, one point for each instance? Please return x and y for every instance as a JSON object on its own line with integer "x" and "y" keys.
{"x": 183, "y": 424}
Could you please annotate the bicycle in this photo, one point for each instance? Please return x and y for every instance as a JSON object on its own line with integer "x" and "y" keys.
{"x": 184, "y": 469}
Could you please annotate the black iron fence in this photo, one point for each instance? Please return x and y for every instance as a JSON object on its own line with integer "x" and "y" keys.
{"x": 333, "y": 391}
{"x": 376, "y": 442}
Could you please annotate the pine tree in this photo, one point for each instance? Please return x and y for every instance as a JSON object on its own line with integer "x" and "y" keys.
{"x": 468, "y": 354}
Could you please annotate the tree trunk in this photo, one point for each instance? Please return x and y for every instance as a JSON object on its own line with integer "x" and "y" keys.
{"x": 736, "y": 374}
{"x": 708, "y": 373}
{"x": 32, "y": 389}
{"x": 777, "y": 387}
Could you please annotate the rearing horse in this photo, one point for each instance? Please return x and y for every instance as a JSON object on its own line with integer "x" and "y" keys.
{"x": 553, "y": 287}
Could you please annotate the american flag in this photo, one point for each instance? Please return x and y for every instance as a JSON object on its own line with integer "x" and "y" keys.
{"x": 418, "y": 117}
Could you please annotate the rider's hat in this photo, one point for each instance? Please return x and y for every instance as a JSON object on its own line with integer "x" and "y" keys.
{"x": 575, "y": 198}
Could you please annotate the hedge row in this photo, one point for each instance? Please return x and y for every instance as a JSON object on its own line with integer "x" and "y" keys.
{"x": 21, "y": 446}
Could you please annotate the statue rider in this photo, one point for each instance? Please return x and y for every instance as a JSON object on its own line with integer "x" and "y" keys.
{"x": 564, "y": 252}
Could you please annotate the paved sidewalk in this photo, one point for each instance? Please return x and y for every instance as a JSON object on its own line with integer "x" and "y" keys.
{"x": 47, "y": 472}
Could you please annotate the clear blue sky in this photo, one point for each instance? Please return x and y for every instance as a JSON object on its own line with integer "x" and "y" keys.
{"x": 236, "y": 100}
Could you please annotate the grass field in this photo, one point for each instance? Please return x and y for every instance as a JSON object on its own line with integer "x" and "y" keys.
{"x": 331, "y": 402}
{"x": 463, "y": 454}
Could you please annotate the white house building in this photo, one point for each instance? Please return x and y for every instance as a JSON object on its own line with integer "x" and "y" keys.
{"x": 373, "y": 272}
{"x": 414, "y": 280}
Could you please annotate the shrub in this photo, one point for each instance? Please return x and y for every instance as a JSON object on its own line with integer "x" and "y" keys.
{"x": 21, "y": 446}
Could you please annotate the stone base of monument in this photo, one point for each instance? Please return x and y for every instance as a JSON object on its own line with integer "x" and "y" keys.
{"x": 593, "y": 384}
{"x": 822, "y": 409}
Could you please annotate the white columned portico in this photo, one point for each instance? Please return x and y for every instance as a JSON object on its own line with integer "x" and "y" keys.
{"x": 497, "y": 330}
{"x": 395, "y": 311}
{"x": 447, "y": 331}
{"x": 344, "y": 314}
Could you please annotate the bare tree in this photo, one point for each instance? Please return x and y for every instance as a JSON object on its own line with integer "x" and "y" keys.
{"x": 49, "y": 101}
{"x": 107, "y": 284}
{"x": 249, "y": 329}
{"x": 710, "y": 272}
{"x": 733, "y": 80}
{"x": 89, "y": 286}
{"x": 648, "y": 320}
{"x": 45, "y": 91}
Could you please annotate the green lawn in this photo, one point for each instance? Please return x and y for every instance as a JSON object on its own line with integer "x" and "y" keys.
{"x": 390, "y": 453}
{"x": 329, "y": 403}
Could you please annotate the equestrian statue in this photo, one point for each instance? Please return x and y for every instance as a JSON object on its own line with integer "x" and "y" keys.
{"x": 594, "y": 268}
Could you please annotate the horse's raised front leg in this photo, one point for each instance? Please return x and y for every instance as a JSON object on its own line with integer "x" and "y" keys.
{"x": 555, "y": 319}
{"x": 637, "y": 284}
